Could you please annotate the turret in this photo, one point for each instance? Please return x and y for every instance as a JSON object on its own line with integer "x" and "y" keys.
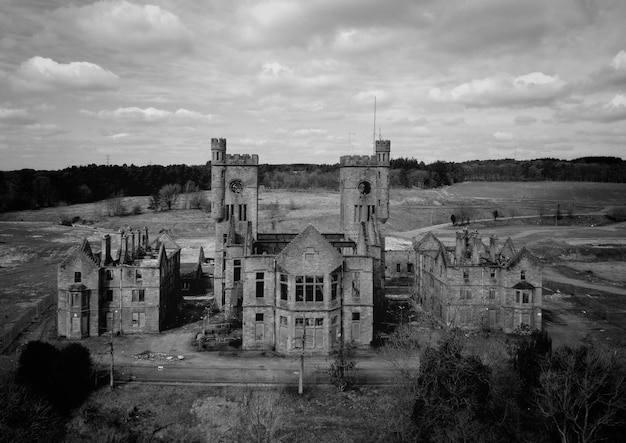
{"x": 364, "y": 187}
{"x": 383, "y": 150}
{"x": 218, "y": 170}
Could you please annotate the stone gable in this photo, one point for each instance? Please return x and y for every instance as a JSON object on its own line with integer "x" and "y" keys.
{"x": 309, "y": 254}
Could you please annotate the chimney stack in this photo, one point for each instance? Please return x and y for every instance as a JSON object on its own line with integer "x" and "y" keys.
{"x": 458, "y": 251}
{"x": 492, "y": 248}
{"x": 105, "y": 252}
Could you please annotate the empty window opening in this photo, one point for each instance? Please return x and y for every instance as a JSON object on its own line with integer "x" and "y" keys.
{"x": 260, "y": 284}
{"x": 138, "y": 295}
{"x": 236, "y": 270}
{"x": 284, "y": 287}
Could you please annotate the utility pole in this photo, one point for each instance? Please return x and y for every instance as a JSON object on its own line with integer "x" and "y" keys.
{"x": 301, "y": 375}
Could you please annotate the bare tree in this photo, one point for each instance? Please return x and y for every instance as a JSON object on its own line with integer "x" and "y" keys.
{"x": 466, "y": 212}
{"x": 169, "y": 195}
{"x": 115, "y": 205}
{"x": 189, "y": 189}
{"x": 582, "y": 392}
{"x": 260, "y": 417}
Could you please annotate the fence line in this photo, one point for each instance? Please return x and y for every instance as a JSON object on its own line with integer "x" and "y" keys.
{"x": 23, "y": 321}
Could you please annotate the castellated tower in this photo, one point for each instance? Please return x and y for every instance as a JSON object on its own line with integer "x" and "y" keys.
{"x": 234, "y": 184}
{"x": 364, "y": 184}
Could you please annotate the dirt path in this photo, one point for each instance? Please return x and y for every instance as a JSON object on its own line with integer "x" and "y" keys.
{"x": 552, "y": 275}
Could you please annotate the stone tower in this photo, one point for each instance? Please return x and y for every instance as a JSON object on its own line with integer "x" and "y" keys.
{"x": 364, "y": 184}
{"x": 234, "y": 184}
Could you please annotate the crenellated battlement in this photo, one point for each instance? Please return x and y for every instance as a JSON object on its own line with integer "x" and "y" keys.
{"x": 360, "y": 160}
{"x": 242, "y": 159}
{"x": 383, "y": 145}
{"x": 218, "y": 144}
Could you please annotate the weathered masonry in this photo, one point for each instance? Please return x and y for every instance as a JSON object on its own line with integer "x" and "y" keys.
{"x": 473, "y": 285}
{"x": 305, "y": 290}
{"x": 134, "y": 291}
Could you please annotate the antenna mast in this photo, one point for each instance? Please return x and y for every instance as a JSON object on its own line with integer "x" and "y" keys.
{"x": 374, "y": 137}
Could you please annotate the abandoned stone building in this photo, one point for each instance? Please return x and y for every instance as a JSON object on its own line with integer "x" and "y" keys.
{"x": 135, "y": 290}
{"x": 473, "y": 285}
{"x": 303, "y": 290}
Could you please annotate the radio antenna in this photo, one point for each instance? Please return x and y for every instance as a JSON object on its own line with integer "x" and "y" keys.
{"x": 374, "y": 138}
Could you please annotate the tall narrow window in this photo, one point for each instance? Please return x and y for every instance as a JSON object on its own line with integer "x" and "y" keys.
{"x": 138, "y": 276}
{"x": 260, "y": 284}
{"x": 356, "y": 285}
{"x": 299, "y": 288}
{"x": 77, "y": 277}
{"x": 398, "y": 267}
{"x": 409, "y": 267}
{"x": 371, "y": 212}
{"x": 356, "y": 326}
{"x": 109, "y": 274}
{"x": 284, "y": 287}
{"x": 108, "y": 295}
{"x": 243, "y": 212}
{"x": 308, "y": 290}
{"x": 319, "y": 288}
{"x": 492, "y": 294}
{"x": 334, "y": 286}
{"x": 236, "y": 270}
{"x": 492, "y": 273}
{"x": 522, "y": 275}
{"x": 466, "y": 275}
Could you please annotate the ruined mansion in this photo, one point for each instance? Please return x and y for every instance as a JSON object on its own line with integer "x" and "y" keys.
{"x": 295, "y": 291}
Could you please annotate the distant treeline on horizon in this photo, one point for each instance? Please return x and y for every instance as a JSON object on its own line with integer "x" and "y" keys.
{"x": 32, "y": 189}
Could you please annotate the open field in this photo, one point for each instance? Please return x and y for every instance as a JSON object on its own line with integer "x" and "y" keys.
{"x": 586, "y": 249}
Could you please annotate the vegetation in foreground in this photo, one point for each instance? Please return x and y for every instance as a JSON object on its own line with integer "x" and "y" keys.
{"x": 448, "y": 386}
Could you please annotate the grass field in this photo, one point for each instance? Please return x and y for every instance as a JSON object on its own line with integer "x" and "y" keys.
{"x": 580, "y": 250}
{"x": 32, "y": 243}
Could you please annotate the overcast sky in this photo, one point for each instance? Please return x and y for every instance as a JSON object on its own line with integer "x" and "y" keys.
{"x": 295, "y": 81}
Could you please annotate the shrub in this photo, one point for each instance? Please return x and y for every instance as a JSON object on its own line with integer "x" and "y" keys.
{"x": 62, "y": 377}
{"x": 341, "y": 370}
{"x": 137, "y": 209}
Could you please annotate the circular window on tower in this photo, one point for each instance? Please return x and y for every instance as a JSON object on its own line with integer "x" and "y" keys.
{"x": 236, "y": 186}
{"x": 365, "y": 188}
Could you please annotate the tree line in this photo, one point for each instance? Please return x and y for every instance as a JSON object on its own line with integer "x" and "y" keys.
{"x": 32, "y": 189}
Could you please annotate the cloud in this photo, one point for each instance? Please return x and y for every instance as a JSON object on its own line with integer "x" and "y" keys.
{"x": 504, "y": 90}
{"x": 42, "y": 74}
{"x": 280, "y": 79}
{"x": 10, "y": 116}
{"x": 609, "y": 76}
{"x": 153, "y": 116}
{"x": 503, "y": 136}
{"x": 610, "y": 112}
{"x": 44, "y": 129}
{"x": 453, "y": 121}
{"x": 524, "y": 120}
{"x": 287, "y": 23}
{"x": 123, "y": 25}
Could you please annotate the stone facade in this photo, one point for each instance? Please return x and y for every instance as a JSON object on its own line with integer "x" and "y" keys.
{"x": 472, "y": 285}
{"x": 137, "y": 291}
{"x": 306, "y": 290}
